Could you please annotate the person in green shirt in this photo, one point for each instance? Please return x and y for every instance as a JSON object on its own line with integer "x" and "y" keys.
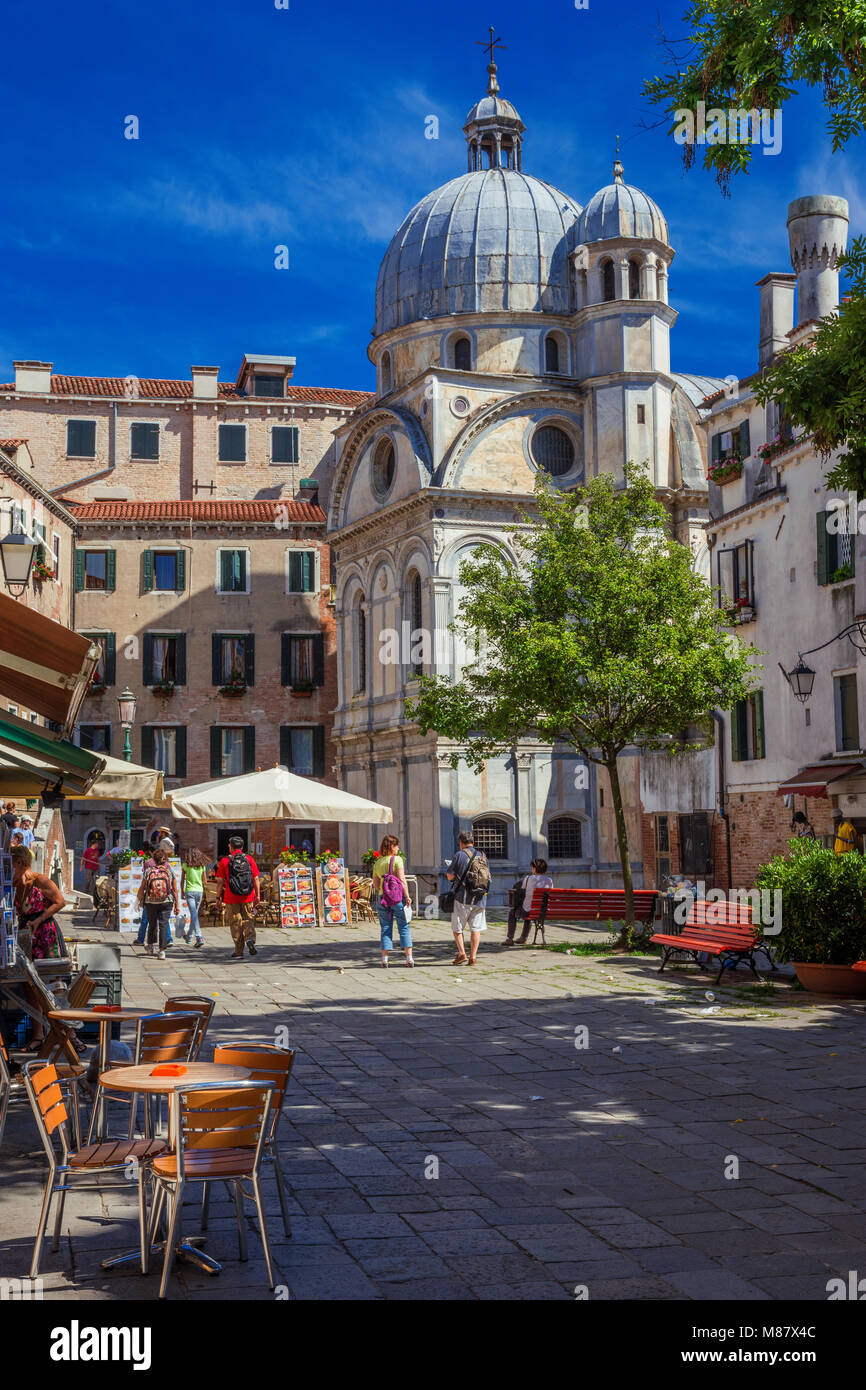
{"x": 194, "y": 865}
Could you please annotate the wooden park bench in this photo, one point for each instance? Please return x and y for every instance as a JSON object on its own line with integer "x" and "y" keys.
{"x": 721, "y": 930}
{"x": 585, "y": 905}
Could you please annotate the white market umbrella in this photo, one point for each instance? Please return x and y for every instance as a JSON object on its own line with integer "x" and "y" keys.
{"x": 273, "y": 794}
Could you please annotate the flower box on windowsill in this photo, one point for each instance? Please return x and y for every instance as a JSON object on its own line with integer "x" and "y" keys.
{"x": 303, "y": 691}
{"x": 233, "y": 688}
{"x": 163, "y": 689}
{"x": 96, "y": 688}
{"x": 726, "y": 471}
{"x": 42, "y": 574}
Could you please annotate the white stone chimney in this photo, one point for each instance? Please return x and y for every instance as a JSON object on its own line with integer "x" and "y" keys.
{"x": 817, "y": 234}
{"x": 205, "y": 383}
{"x": 777, "y": 314}
{"x": 33, "y": 377}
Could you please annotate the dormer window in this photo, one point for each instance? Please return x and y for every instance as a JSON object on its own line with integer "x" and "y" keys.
{"x": 268, "y": 385}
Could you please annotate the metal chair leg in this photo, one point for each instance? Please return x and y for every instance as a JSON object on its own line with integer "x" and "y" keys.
{"x": 43, "y": 1222}
{"x": 171, "y": 1235}
{"x": 205, "y": 1205}
{"x": 58, "y": 1218}
{"x": 156, "y": 1213}
{"x": 239, "y": 1213}
{"x": 281, "y": 1190}
{"x": 4, "y": 1106}
{"x": 142, "y": 1219}
{"x": 263, "y": 1229}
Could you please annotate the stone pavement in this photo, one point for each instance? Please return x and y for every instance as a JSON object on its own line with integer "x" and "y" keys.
{"x": 447, "y": 1136}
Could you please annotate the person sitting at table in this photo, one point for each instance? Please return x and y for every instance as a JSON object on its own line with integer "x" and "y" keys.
{"x": 37, "y": 900}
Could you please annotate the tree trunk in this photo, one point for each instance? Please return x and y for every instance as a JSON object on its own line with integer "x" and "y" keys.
{"x": 622, "y": 839}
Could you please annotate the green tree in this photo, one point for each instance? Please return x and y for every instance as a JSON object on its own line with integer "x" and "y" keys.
{"x": 821, "y": 385}
{"x": 752, "y": 54}
{"x": 600, "y": 637}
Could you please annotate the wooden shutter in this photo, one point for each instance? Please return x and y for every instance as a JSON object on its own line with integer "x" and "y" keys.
{"x": 147, "y": 571}
{"x": 216, "y": 658}
{"x": 180, "y": 572}
{"x": 294, "y": 571}
{"x": 250, "y": 748}
{"x": 110, "y": 663}
{"x": 319, "y": 659}
{"x": 319, "y": 751}
{"x": 760, "y": 745}
{"x": 147, "y": 747}
{"x": 308, "y": 570}
{"x": 745, "y": 448}
{"x": 823, "y": 550}
{"x": 225, "y": 570}
{"x": 180, "y": 659}
{"x": 717, "y": 448}
{"x": 285, "y": 658}
{"x": 79, "y": 571}
{"x": 286, "y": 746}
{"x": 216, "y": 762}
{"x": 180, "y": 751}
{"x": 147, "y": 660}
{"x": 293, "y": 443}
{"x": 111, "y": 569}
{"x": 736, "y": 751}
{"x": 250, "y": 659}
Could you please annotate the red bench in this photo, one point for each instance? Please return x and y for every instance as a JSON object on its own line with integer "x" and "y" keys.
{"x": 586, "y": 905}
{"x": 720, "y": 930}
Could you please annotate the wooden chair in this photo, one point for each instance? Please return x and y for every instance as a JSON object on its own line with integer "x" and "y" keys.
{"x": 78, "y": 995}
{"x": 12, "y": 1088}
{"x": 361, "y": 893}
{"x": 212, "y": 905}
{"x": 66, "y": 1167}
{"x": 105, "y": 897}
{"x": 219, "y": 1136}
{"x": 158, "y": 1038}
{"x": 264, "y": 1063}
{"x": 193, "y": 1004}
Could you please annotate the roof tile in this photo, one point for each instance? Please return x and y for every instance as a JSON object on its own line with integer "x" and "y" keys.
{"x": 188, "y": 510}
{"x": 156, "y": 389}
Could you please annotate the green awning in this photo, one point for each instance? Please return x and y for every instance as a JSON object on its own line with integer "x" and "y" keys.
{"x": 30, "y": 753}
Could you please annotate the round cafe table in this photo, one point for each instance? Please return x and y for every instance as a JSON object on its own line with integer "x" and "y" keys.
{"x": 140, "y": 1079}
{"x": 105, "y": 1020}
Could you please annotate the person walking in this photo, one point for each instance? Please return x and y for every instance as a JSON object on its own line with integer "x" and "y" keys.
{"x": 241, "y": 891}
{"x": 389, "y": 881}
{"x": 194, "y": 865}
{"x": 90, "y": 867}
{"x": 846, "y": 835}
{"x": 801, "y": 826}
{"x": 158, "y": 892}
{"x": 538, "y": 877}
{"x": 471, "y": 877}
{"x": 166, "y": 844}
{"x": 26, "y": 831}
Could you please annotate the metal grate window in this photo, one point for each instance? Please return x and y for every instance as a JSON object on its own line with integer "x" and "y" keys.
{"x": 491, "y": 836}
{"x": 552, "y": 450}
{"x": 564, "y": 839}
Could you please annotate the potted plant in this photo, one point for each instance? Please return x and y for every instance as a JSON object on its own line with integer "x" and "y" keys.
{"x": 97, "y": 686}
{"x": 163, "y": 687}
{"x": 302, "y": 689}
{"x": 235, "y": 685}
{"x": 42, "y": 572}
{"x": 823, "y": 931}
{"x": 369, "y": 858}
{"x": 726, "y": 470}
{"x": 841, "y": 574}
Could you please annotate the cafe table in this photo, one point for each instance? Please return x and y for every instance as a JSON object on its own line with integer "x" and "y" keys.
{"x": 141, "y": 1080}
{"x": 105, "y": 1020}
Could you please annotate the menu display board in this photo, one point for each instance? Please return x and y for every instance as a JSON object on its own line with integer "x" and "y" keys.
{"x": 332, "y": 890}
{"x": 297, "y": 898}
{"x": 129, "y": 914}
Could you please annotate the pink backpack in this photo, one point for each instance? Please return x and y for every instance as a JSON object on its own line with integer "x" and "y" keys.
{"x": 392, "y": 889}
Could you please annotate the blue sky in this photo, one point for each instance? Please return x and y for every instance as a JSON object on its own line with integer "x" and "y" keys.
{"x": 305, "y": 127}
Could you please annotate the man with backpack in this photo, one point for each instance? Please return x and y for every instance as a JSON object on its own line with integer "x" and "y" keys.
{"x": 241, "y": 891}
{"x": 471, "y": 878}
{"x": 158, "y": 892}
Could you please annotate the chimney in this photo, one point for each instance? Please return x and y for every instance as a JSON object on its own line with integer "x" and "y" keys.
{"x": 34, "y": 378}
{"x": 205, "y": 383}
{"x": 777, "y": 314}
{"x": 817, "y": 233}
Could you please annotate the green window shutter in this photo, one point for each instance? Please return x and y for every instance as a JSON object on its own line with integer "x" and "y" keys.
{"x": 147, "y": 660}
{"x": 285, "y": 746}
{"x": 110, "y": 659}
{"x": 309, "y": 569}
{"x": 760, "y": 744}
{"x": 744, "y": 440}
{"x": 249, "y": 748}
{"x": 147, "y": 747}
{"x": 216, "y": 642}
{"x": 111, "y": 569}
{"x": 225, "y": 570}
{"x": 250, "y": 660}
{"x": 736, "y": 751}
{"x": 147, "y": 571}
{"x": 319, "y": 751}
{"x": 823, "y": 540}
{"x": 294, "y": 571}
{"x": 180, "y": 659}
{"x": 293, "y": 443}
{"x": 319, "y": 659}
{"x": 180, "y": 751}
{"x": 285, "y": 648}
{"x": 717, "y": 448}
{"x": 180, "y": 572}
{"x": 216, "y": 762}
{"x": 239, "y": 571}
{"x": 79, "y": 571}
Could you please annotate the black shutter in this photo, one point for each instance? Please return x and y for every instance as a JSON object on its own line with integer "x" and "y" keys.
{"x": 823, "y": 548}
{"x": 319, "y": 659}
{"x": 216, "y": 761}
{"x": 216, "y": 658}
{"x": 286, "y": 746}
{"x": 225, "y": 571}
{"x": 180, "y": 659}
{"x": 250, "y": 748}
{"x": 319, "y": 751}
{"x": 110, "y": 659}
{"x": 147, "y": 660}
{"x": 285, "y": 656}
{"x": 250, "y": 659}
{"x": 294, "y": 572}
{"x": 180, "y": 751}
{"x": 147, "y": 747}
{"x": 744, "y": 440}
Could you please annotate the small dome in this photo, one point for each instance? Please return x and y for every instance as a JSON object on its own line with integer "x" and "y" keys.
{"x": 493, "y": 108}
{"x": 619, "y": 210}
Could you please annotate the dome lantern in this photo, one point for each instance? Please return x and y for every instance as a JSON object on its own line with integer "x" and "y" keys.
{"x": 493, "y": 129}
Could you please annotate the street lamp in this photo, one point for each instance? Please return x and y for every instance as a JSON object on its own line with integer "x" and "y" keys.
{"x": 126, "y": 703}
{"x": 801, "y": 680}
{"x": 16, "y": 553}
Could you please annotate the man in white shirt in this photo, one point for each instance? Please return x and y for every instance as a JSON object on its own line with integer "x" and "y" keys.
{"x": 26, "y": 829}
{"x": 538, "y": 878}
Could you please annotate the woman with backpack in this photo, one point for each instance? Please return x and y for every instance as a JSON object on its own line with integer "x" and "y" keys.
{"x": 158, "y": 892}
{"x": 389, "y": 880}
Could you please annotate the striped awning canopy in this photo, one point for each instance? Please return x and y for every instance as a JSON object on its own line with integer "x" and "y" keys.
{"x": 44, "y": 666}
{"x": 814, "y": 780}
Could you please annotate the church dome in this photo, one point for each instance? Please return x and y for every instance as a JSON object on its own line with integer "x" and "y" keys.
{"x": 620, "y": 210}
{"x": 492, "y": 107}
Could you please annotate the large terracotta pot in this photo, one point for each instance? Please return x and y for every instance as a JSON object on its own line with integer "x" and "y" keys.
{"x": 831, "y": 979}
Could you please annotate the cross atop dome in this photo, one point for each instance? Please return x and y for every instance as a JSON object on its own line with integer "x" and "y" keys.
{"x": 491, "y": 45}
{"x": 493, "y": 127}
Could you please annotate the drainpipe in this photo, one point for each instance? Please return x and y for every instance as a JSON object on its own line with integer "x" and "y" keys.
{"x": 720, "y": 724}
{"x": 91, "y": 477}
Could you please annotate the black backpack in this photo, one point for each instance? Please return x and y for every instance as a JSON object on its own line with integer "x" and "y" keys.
{"x": 240, "y": 876}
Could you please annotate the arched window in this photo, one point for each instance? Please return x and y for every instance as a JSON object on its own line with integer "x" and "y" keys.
{"x": 360, "y": 635}
{"x": 386, "y": 373}
{"x": 416, "y": 622}
{"x": 462, "y": 355}
{"x": 564, "y": 839}
{"x": 491, "y": 836}
{"x": 634, "y": 279}
{"x": 608, "y": 281}
{"x": 382, "y": 470}
{"x": 551, "y": 354}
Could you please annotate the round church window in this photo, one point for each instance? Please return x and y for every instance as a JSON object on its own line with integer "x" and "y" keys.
{"x": 553, "y": 450}
{"x": 383, "y": 467}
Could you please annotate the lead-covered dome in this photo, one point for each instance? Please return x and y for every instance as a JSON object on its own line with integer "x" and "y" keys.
{"x": 494, "y": 239}
{"x": 620, "y": 210}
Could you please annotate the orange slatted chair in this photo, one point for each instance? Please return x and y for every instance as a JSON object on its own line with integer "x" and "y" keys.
{"x": 193, "y": 1004}
{"x": 264, "y": 1063}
